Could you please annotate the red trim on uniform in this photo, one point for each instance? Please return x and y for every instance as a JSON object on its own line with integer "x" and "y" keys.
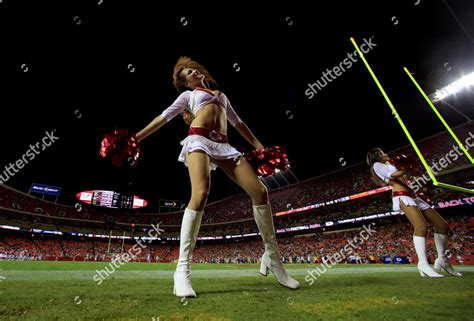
{"x": 404, "y": 193}
{"x": 209, "y": 134}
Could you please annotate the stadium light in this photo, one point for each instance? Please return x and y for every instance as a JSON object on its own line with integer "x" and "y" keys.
{"x": 402, "y": 125}
{"x": 464, "y": 149}
{"x": 453, "y": 88}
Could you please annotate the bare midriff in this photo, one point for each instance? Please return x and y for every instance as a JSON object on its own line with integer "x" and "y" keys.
{"x": 212, "y": 117}
{"x": 397, "y": 185}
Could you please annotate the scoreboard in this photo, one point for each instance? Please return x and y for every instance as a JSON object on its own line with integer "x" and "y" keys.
{"x": 111, "y": 199}
{"x": 106, "y": 199}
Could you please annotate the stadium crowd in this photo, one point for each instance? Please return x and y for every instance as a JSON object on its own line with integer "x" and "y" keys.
{"x": 388, "y": 240}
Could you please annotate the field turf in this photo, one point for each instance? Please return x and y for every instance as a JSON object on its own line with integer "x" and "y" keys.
{"x": 143, "y": 291}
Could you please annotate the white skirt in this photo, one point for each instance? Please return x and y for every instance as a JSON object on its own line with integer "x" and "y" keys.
{"x": 211, "y": 148}
{"x": 408, "y": 201}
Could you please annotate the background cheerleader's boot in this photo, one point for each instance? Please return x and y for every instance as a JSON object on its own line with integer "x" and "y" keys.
{"x": 441, "y": 262}
{"x": 189, "y": 231}
{"x": 423, "y": 266}
{"x": 271, "y": 260}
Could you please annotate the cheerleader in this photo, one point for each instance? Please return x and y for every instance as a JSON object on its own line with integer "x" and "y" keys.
{"x": 416, "y": 210}
{"x": 204, "y": 149}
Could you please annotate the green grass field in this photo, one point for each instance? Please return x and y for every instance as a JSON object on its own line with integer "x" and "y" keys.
{"x": 143, "y": 291}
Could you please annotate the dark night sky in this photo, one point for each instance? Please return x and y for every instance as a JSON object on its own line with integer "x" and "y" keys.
{"x": 79, "y": 82}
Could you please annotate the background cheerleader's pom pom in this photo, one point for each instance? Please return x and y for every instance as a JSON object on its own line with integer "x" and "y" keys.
{"x": 268, "y": 161}
{"x": 121, "y": 147}
{"x": 403, "y": 161}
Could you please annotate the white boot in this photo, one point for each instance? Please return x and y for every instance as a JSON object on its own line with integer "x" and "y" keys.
{"x": 442, "y": 263}
{"x": 189, "y": 232}
{"x": 271, "y": 260}
{"x": 423, "y": 266}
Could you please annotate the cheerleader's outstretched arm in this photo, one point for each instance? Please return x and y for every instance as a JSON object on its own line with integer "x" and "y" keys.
{"x": 151, "y": 128}
{"x": 248, "y": 135}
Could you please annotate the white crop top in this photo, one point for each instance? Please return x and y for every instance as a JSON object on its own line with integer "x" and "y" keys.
{"x": 195, "y": 100}
{"x": 384, "y": 171}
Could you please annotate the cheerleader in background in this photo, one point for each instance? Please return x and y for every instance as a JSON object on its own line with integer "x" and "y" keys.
{"x": 416, "y": 210}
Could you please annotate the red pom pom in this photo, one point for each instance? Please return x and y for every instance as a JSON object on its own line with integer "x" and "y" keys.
{"x": 268, "y": 161}
{"x": 403, "y": 162}
{"x": 121, "y": 147}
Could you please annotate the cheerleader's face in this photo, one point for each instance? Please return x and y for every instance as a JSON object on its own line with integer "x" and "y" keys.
{"x": 384, "y": 157}
{"x": 193, "y": 77}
